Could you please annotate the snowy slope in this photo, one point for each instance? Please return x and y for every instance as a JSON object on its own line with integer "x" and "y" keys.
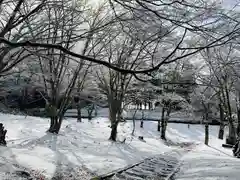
{"x": 209, "y": 163}
{"x": 77, "y": 144}
{"x": 84, "y": 147}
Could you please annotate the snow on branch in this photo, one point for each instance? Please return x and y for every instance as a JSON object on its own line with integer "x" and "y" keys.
{"x": 166, "y": 60}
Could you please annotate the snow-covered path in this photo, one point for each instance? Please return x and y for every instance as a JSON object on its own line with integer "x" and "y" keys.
{"x": 158, "y": 167}
{"x": 209, "y": 163}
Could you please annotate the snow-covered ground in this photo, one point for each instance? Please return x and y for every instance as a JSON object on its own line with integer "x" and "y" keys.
{"x": 209, "y": 163}
{"x": 83, "y": 147}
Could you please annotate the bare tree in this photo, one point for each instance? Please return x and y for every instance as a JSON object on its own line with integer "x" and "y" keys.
{"x": 13, "y": 27}
{"x": 97, "y": 21}
{"x": 204, "y": 99}
{"x": 192, "y": 19}
{"x": 220, "y": 61}
{"x": 177, "y": 82}
{"x": 58, "y": 75}
{"x": 125, "y": 52}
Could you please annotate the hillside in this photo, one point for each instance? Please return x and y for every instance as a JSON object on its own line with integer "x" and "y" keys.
{"x": 83, "y": 150}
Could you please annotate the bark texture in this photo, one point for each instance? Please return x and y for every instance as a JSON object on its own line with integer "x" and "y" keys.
{"x": 221, "y": 127}
{"x": 206, "y": 134}
{"x": 114, "y": 108}
{"x": 3, "y": 133}
{"x": 163, "y": 134}
{"x": 79, "y": 114}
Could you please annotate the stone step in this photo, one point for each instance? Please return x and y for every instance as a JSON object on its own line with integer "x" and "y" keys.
{"x": 129, "y": 176}
{"x": 135, "y": 174}
{"x": 143, "y": 171}
{"x": 156, "y": 168}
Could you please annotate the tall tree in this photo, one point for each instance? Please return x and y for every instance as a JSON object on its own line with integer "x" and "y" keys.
{"x": 204, "y": 99}
{"x": 62, "y": 76}
{"x": 126, "y": 52}
{"x": 219, "y": 61}
{"x": 15, "y": 16}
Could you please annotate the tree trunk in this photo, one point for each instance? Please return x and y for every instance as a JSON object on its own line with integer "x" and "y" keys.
{"x": 164, "y": 128}
{"x": 206, "y": 133}
{"x": 145, "y": 105}
{"x": 22, "y": 101}
{"x": 163, "y": 135}
{"x": 55, "y": 125}
{"x": 232, "y": 130}
{"x": 114, "y": 108}
{"x": 159, "y": 121}
{"x": 56, "y": 118}
{"x": 90, "y": 115}
{"x": 221, "y": 131}
{"x": 3, "y": 133}
{"x": 238, "y": 115}
{"x": 119, "y": 116}
{"x": 206, "y": 124}
{"x": 141, "y": 124}
{"x": 221, "y": 127}
{"x": 54, "y": 122}
{"x": 95, "y": 111}
{"x": 163, "y": 132}
{"x": 90, "y": 111}
{"x": 79, "y": 114}
{"x": 159, "y": 125}
{"x": 232, "y": 133}
{"x": 114, "y": 123}
{"x": 134, "y": 122}
{"x": 138, "y": 106}
{"x": 238, "y": 125}
{"x": 113, "y": 135}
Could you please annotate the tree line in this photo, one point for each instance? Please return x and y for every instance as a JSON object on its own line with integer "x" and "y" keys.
{"x": 81, "y": 48}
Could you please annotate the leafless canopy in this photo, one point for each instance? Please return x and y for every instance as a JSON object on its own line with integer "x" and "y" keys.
{"x": 191, "y": 21}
